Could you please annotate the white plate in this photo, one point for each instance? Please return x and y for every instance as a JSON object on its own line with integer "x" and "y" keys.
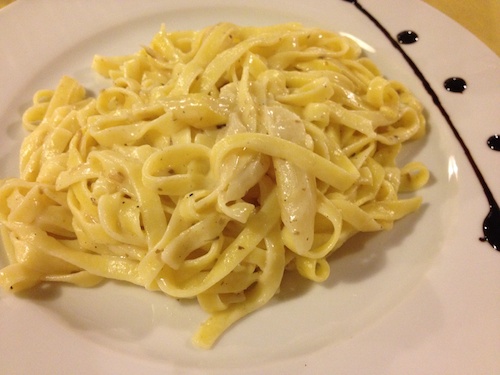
{"x": 423, "y": 298}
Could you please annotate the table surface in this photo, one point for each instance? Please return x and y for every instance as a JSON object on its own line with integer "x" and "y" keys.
{"x": 481, "y": 17}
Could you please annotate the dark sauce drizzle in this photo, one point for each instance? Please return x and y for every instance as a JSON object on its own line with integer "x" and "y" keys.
{"x": 455, "y": 84}
{"x": 491, "y": 224}
{"x": 494, "y": 142}
{"x": 407, "y": 37}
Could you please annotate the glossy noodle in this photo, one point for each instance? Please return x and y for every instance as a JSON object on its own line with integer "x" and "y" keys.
{"x": 214, "y": 162}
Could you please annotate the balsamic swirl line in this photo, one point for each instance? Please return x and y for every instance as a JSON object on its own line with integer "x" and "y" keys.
{"x": 491, "y": 224}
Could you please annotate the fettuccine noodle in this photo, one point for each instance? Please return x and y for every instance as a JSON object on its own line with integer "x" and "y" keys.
{"x": 216, "y": 161}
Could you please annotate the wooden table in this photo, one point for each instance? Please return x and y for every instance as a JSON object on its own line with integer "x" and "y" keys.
{"x": 481, "y": 17}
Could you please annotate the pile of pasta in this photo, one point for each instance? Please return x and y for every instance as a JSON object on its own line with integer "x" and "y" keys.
{"x": 215, "y": 161}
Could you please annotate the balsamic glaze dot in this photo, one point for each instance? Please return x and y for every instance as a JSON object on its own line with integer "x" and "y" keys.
{"x": 491, "y": 226}
{"x": 494, "y": 142}
{"x": 455, "y": 84}
{"x": 407, "y": 37}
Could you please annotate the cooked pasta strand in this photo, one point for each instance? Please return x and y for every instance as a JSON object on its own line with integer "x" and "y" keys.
{"x": 215, "y": 161}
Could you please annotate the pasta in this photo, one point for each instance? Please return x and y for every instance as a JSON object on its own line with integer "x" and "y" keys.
{"x": 216, "y": 161}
